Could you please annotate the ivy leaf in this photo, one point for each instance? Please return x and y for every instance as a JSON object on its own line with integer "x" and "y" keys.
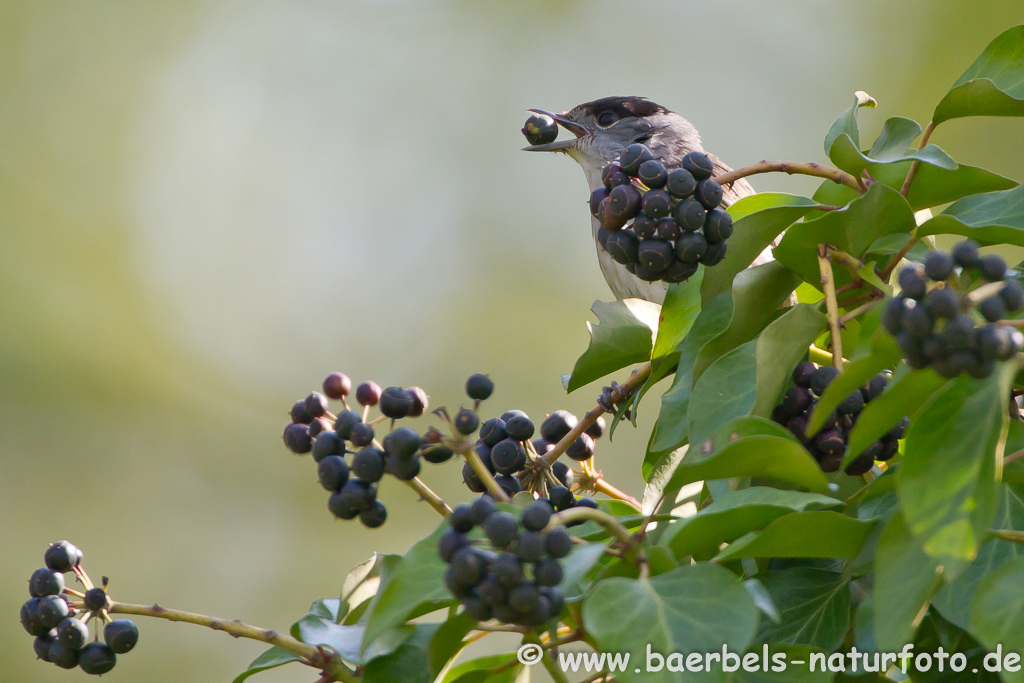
{"x": 416, "y": 584}
{"x": 692, "y": 609}
{"x": 854, "y": 228}
{"x": 779, "y": 348}
{"x": 733, "y": 515}
{"x": 408, "y": 662}
{"x": 726, "y": 391}
{"x": 759, "y": 219}
{"x": 624, "y": 335}
{"x": 954, "y": 599}
{"x": 948, "y": 478}
{"x": 990, "y": 218}
{"x": 997, "y": 613}
{"x": 814, "y": 605}
{"x": 847, "y": 121}
{"x": 993, "y": 85}
{"x": 447, "y": 642}
{"x": 362, "y": 582}
{"x": 476, "y": 670}
{"x": 891, "y": 147}
{"x": 580, "y": 560}
{"x": 823, "y": 533}
{"x": 271, "y": 659}
{"x": 905, "y": 579}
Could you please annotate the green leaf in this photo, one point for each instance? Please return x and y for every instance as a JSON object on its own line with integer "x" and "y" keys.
{"x": 814, "y": 605}
{"x": 792, "y": 673}
{"x": 905, "y": 394}
{"x": 853, "y": 229}
{"x": 905, "y": 579}
{"x": 847, "y": 121}
{"x": 993, "y": 85}
{"x": 734, "y": 514}
{"x": 997, "y": 613}
{"x": 990, "y": 218}
{"x": 759, "y": 219}
{"x": 407, "y": 663}
{"x": 623, "y": 335}
{"x": 692, "y": 609}
{"x": 892, "y": 146}
{"x": 779, "y": 348}
{"x": 416, "y": 583}
{"x": 475, "y": 670}
{"x": 671, "y": 428}
{"x": 821, "y": 533}
{"x": 580, "y": 560}
{"x": 756, "y": 456}
{"x": 954, "y": 599}
{"x": 447, "y": 642}
{"x": 362, "y": 582}
{"x": 726, "y": 391}
{"x": 757, "y": 294}
{"x": 948, "y": 477}
{"x": 271, "y": 659}
{"x": 678, "y": 313}
{"x": 884, "y": 353}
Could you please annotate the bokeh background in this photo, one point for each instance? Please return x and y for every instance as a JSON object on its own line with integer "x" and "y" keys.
{"x": 207, "y": 206}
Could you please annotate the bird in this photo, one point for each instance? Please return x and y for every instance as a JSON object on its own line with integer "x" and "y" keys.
{"x": 603, "y": 128}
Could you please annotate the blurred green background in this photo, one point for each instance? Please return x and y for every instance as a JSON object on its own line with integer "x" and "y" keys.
{"x": 207, "y": 206}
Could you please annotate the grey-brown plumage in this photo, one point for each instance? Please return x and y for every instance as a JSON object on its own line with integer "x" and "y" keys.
{"x": 603, "y": 129}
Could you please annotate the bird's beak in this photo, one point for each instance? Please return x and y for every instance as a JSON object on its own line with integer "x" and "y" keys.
{"x": 558, "y": 145}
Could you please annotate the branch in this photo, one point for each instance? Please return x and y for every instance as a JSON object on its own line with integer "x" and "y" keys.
{"x": 599, "y": 484}
{"x": 485, "y": 476}
{"x": 581, "y": 514}
{"x": 915, "y": 164}
{"x": 436, "y": 502}
{"x": 311, "y": 655}
{"x": 1011, "y": 535}
{"x": 791, "y": 167}
{"x": 863, "y": 308}
{"x": 828, "y": 282}
{"x": 897, "y": 257}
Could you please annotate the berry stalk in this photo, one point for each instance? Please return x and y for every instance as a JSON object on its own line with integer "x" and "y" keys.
{"x": 792, "y": 167}
{"x": 583, "y": 514}
{"x": 435, "y": 501}
{"x": 485, "y": 476}
{"x": 828, "y": 282}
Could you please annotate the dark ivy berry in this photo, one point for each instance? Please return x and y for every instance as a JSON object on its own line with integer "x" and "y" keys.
{"x": 520, "y": 428}
{"x": 509, "y": 484}
{"x": 299, "y": 414}
{"x": 395, "y": 403}
{"x": 368, "y": 464}
{"x": 479, "y": 387}
{"x": 852, "y": 404}
{"x": 892, "y": 316}
{"x": 942, "y": 303}
{"x": 586, "y": 502}
{"x": 992, "y": 267}
{"x": 42, "y": 644}
{"x": 557, "y": 425}
{"x": 875, "y": 386}
{"x": 561, "y": 497}
{"x": 680, "y": 183}
{"x": 860, "y": 465}
{"x": 327, "y": 443}
{"x": 501, "y": 528}
{"x": 938, "y": 265}
{"x": 540, "y": 129}
{"x": 644, "y": 226}
{"x": 374, "y": 516}
{"x": 655, "y": 254}
{"x": 548, "y": 572}
{"x": 624, "y": 202}
{"x": 45, "y": 581}
{"x": 451, "y": 540}
{"x": 668, "y": 229}
{"x": 691, "y": 247}
{"x": 461, "y": 518}
{"x": 714, "y": 255}
{"x": 346, "y": 420}
{"x": 402, "y": 469}
{"x": 596, "y": 197}
{"x": 912, "y": 283}
{"x": 72, "y": 633}
{"x": 403, "y": 442}
{"x": 822, "y": 377}
{"x": 633, "y": 156}
{"x": 562, "y": 473}
{"x": 699, "y": 165}
{"x": 30, "y": 618}
{"x": 690, "y": 215}
{"x": 581, "y": 449}
{"x": 318, "y": 426}
{"x": 966, "y": 254}
{"x": 829, "y": 442}
{"x": 803, "y": 373}
{"x": 603, "y": 234}
{"x": 679, "y": 272}
{"x": 959, "y": 333}
{"x": 420, "y": 401}
{"x": 992, "y": 308}
{"x": 558, "y": 542}
{"x": 359, "y": 494}
{"x": 466, "y": 421}
{"x": 482, "y": 508}
{"x": 536, "y": 515}
{"x": 796, "y": 400}
{"x": 493, "y": 431}
{"x": 472, "y": 481}
{"x": 897, "y": 432}
{"x": 96, "y": 658}
{"x": 337, "y": 385}
{"x": 717, "y": 226}
{"x": 530, "y": 547}
{"x": 708, "y": 193}
{"x": 596, "y": 428}
{"x": 52, "y": 610}
{"x": 332, "y": 472}
{"x": 508, "y": 456}
{"x": 342, "y": 506}
{"x": 64, "y": 657}
{"x": 608, "y": 170}
{"x": 361, "y": 434}
{"x": 95, "y": 599}
{"x": 297, "y": 439}
{"x": 917, "y": 322}
{"x": 652, "y": 173}
{"x": 657, "y": 204}
{"x": 1013, "y": 296}
{"x": 623, "y": 246}
{"x": 368, "y": 393}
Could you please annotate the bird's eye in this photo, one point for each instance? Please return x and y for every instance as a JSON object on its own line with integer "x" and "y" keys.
{"x": 606, "y": 119}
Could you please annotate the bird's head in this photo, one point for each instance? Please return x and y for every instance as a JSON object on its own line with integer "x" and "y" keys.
{"x": 605, "y": 127}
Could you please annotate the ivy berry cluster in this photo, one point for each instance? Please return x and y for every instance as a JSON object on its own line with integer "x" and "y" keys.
{"x": 676, "y": 220}
{"x": 61, "y": 629}
{"x": 828, "y": 445}
{"x": 515, "y": 580}
{"x": 330, "y": 438}
{"x": 945, "y": 318}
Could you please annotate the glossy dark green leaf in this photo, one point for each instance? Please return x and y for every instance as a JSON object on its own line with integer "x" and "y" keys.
{"x": 906, "y": 394}
{"x": 735, "y": 514}
{"x": 678, "y": 313}
{"x": 757, "y": 294}
{"x": 905, "y": 579}
{"x": 363, "y": 581}
{"x": 576, "y": 565}
{"x": 759, "y": 219}
{"x": 623, "y": 335}
{"x": 692, "y": 609}
{"x": 672, "y": 427}
{"x": 417, "y": 583}
{"x": 447, "y": 641}
{"x": 820, "y": 533}
{"x": 990, "y": 218}
{"x": 997, "y": 613}
{"x": 954, "y": 599}
{"x": 891, "y": 147}
{"x": 853, "y": 229}
{"x": 948, "y": 478}
{"x": 756, "y": 456}
{"x": 271, "y": 659}
{"x": 779, "y": 348}
{"x": 407, "y": 663}
{"x": 847, "y": 121}
{"x": 476, "y": 670}
{"x": 993, "y": 85}
{"x": 814, "y": 605}
{"x": 726, "y": 391}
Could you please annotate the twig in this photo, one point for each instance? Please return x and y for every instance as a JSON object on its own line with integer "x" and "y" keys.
{"x": 792, "y": 167}
{"x": 1008, "y": 535}
{"x": 929, "y": 129}
{"x": 485, "y": 476}
{"x": 897, "y": 257}
{"x": 1012, "y": 323}
{"x": 582, "y": 514}
{"x": 829, "y": 287}
{"x": 599, "y": 484}
{"x": 1016, "y": 455}
{"x": 435, "y": 501}
{"x": 863, "y": 308}
{"x": 819, "y": 356}
{"x": 852, "y": 263}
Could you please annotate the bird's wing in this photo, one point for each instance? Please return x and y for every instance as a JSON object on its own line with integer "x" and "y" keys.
{"x": 624, "y": 284}
{"x": 733, "y": 192}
